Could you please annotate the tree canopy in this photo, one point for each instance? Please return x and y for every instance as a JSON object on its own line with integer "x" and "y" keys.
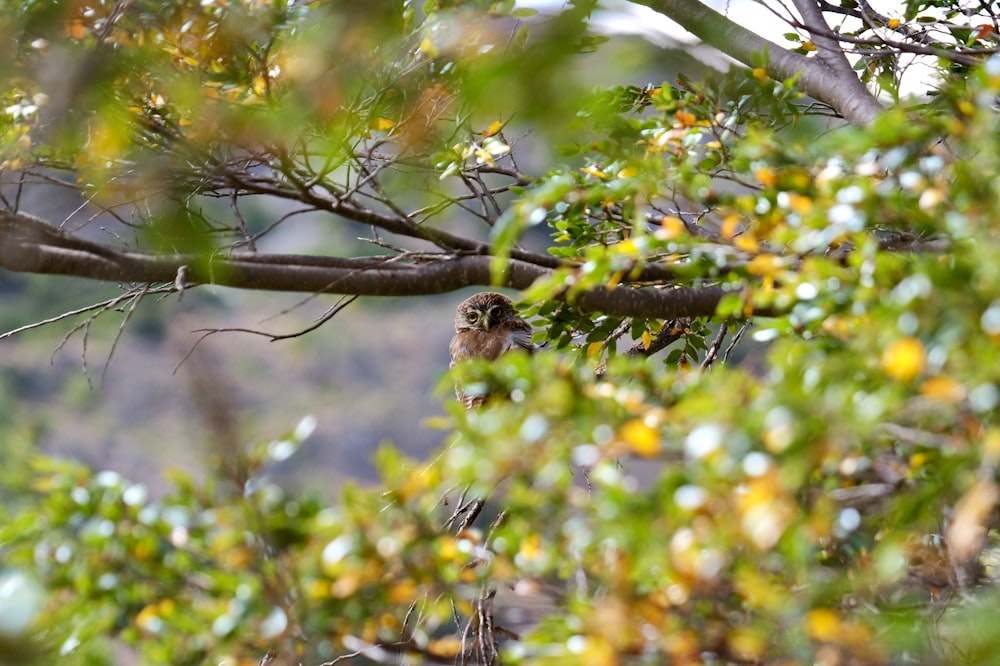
{"x": 763, "y": 428}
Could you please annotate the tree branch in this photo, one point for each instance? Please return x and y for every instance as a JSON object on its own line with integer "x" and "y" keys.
{"x": 853, "y": 99}
{"x": 29, "y": 245}
{"x": 824, "y": 78}
{"x": 391, "y": 223}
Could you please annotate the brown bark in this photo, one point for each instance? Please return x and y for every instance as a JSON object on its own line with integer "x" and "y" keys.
{"x": 30, "y": 245}
{"x": 827, "y": 77}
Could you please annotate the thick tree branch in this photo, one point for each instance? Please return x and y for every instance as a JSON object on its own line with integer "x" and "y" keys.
{"x": 824, "y": 78}
{"x": 28, "y": 244}
{"x": 854, "y": 100}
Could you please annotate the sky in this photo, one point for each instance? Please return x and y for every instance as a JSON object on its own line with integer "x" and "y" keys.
{"x": 619, "y": 17}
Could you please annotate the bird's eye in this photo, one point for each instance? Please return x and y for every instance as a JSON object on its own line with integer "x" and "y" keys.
{"x": 494, "y": 312}
{"x": 471, "y": 317}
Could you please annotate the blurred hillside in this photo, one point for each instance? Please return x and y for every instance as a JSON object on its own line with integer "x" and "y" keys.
{"x": 367, "y": 376}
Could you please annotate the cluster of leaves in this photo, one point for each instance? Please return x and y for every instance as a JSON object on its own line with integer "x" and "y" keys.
{"x": 830, "y": 502}
{"x": 838, "y": 506}
{"x": 215, "y": 572}
{"x": 835, "y": 506}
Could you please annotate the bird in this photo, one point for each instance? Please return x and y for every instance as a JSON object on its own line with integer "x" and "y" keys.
{"x": 486, "y": 326}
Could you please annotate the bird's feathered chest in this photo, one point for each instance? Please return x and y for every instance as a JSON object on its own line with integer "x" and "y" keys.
{"x": 478, "y": 343}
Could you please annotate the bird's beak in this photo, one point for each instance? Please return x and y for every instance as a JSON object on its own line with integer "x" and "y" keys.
{"x": 486, "y": 323}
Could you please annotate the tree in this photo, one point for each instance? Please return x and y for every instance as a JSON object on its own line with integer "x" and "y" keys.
{"x": 830, "y": 501}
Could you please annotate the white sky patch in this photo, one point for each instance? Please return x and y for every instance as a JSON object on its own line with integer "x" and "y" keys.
{"x": 766, "y": 18}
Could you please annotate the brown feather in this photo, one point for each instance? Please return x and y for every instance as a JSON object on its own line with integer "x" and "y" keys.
{"x": 486, "y": 326}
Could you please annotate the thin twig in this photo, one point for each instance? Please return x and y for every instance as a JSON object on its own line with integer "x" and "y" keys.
{"x": 103, "y": 305}
{"x": 272, "y": 337}
{"x": 248, "y": 238}
{"x": 736, "y": 339}
{"x": 137, "y": 297}
{"x": 713, "y": 350}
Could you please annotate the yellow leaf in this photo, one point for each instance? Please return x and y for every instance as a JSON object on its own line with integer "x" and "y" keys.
{"x": 904, "y": 359}
{"x": 148, "y": 619}
{"x": 686, "y": 118}
{"x": 800, "y": 204}
{"x": 670, "y": 227}
{"x": 757, "y": 590}
{"x": 991, "y": 446}
{"x": 760, "y": 74}
{"x": 346, "y": 585}
{"x": 597, "y": 651}
{"x": 448, "y": 647}
{"x": 808, "y": 46}
{"x": 76, "y": 29}
{"x": 484, "y": 157}
{"x": 594, "y": 348}
{"x": 930, "y": 198}
{"x": 236, "y": 558}
{"x": 595, "y": 172}
{"x": 494, "y": 127}
{"x": 531, "y": 547}
{"x": 448, "y": 549}
{"x": 382, "y": 124}
{"x": 402, "y": 592}
{"x": 839, "y": 327}
{"x": 746, "y": 242}
{"x": 628, "y": 172}
{"x": 730, "y": 226}
{"x": 369, "y": 632}
{"x": 893, "y": 23}
{"x": 765, "y": 264}
{"x": 943, "y": 389}
{"x": 647, "y": 339}
{"x": 823, "y": 624}
{"x": 766, "y": 176}
{"x": 142, "y": 551}
{"x": 427, "y": 47}
{"x": 641, "y": 438}
{"x": 318, "y": 589}
{"x": 747, "y": 644}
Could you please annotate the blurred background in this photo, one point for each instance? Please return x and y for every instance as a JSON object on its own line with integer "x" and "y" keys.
{"x": 373, "y": 374}
{"x": 367, "y": 376}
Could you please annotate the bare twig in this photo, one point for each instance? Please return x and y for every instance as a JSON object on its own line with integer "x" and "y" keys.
{"x": 467, "y": 509}
{"x": 736, "y": 339}
{"x": 272, "y": 337}
{"x": 248, "y": 238}
{"x": 713, "y": 350}
{"x": 137, "y": 296}
{"x": 102, "y": 306}
{"x": 914, "y": 436}
{"x": 275, "y": 337}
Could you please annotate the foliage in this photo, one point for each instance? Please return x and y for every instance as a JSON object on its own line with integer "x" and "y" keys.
{"x": 829, "y": 500}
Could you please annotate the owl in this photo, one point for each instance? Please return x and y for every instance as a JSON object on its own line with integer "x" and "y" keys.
{"x": 486, "y": 326}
